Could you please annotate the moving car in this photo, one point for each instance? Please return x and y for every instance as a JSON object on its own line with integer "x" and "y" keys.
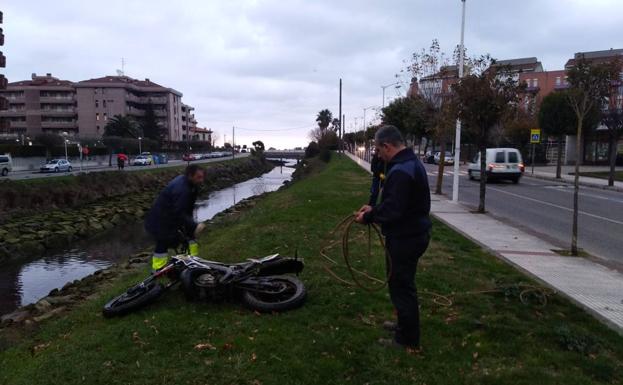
{"x": 142, "y": 160}
{"x": 56, "y": 165}
{"x": 429, "y": 156}
{"x": 448, "y": 159}
{"x": 6, "y": 164}
{"x": 502, "y": 163}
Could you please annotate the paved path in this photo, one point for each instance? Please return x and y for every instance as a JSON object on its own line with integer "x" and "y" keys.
{"x": 592, "y": 286}
{"x": 549, "y": 172}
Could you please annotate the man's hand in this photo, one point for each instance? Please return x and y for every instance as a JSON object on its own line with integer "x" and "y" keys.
{"x": 362, "y": 211}
{"x": 200, "y": 227}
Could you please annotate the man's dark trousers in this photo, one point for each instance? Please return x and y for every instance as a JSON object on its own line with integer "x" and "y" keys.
{"x": 404, "y": 253}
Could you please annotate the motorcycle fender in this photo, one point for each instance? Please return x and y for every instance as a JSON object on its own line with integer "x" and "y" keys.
{"x": 282, "y": 266}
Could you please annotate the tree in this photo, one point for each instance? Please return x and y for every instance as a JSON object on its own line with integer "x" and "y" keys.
{"x": 409, "y": 115}
{"x": 557, "y": 118}
{"x": 150, "y": 127}
{"x": 258, "y": 148}
{"x": 482, "y": 100}
{"x": 121, "y": 126}
{"x": 49, "y": 140}
{"x": 613, "y": 120}
{"x": 589, "y": 84}
{"x": 323, "y": 119}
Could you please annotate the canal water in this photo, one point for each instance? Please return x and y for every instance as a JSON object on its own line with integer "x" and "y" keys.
{"x": 27, "y": 280}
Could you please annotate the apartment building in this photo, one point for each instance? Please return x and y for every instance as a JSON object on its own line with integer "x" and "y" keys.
{"x": 4, "y": 104}
{"x": 102, "y": 98}
{"x": 42, "y": 104}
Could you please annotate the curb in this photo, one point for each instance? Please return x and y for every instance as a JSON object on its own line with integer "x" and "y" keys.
{"x": 586, "y": 184}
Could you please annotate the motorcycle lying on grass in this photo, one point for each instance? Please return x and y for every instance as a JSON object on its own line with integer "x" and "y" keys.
{"x": 263, "y": 284}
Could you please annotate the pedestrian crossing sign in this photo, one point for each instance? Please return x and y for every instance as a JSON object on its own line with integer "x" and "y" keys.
{"x": 535, "y": 136}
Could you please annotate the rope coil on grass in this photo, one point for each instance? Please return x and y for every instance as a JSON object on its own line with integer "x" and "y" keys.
{"x": 525, "y": 291}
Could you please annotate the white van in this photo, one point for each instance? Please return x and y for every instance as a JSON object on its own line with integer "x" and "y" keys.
{"x": 6, "y": 164}
{"x": 502, "y": 163}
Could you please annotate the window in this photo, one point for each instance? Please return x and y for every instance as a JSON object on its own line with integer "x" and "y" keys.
{"x": 105, "y": 116}
{"x": 104, "y": 103}
{"x": 512, "y": 157}
{"x": 535, "y": 83}
{"x": 499, "y": 157}
{"x": 97, "y": 103}
{"x": 557, "y": 80}
{"x": 97, "y": 116}
{"x": 619, "y": 101}
{"x": 97, "y": 128}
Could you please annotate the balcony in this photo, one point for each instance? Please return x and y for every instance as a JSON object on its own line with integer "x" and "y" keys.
{"x": 68, "y": 112}
{"x": 57, "y": 99}
{"x": 146, "y": 99}
{"x": 18, "y": 124}
{"x": 533, "y": 89}
{"x": 12, "y": 112}
{"x": 59, "y": 125}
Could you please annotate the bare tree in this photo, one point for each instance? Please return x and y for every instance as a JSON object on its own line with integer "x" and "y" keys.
{"x": 589, "y": 84}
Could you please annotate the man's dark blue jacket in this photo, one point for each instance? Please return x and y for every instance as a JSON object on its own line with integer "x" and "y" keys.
{"x": 173, "y": 210}
{"x": 405, "y": 199}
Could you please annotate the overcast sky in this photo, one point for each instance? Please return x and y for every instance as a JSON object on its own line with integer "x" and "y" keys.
{"x": 272, "y": 65}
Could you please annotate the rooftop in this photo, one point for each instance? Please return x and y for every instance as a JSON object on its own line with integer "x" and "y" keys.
{"x": 38, "y": 80}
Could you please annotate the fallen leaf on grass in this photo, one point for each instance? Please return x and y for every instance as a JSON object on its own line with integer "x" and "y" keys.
{"x": 38, "y": 348}
{"x": 253, "y": 357}
{"x": 205, "y": 346}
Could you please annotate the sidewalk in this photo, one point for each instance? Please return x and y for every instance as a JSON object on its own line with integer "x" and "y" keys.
{"x": 549, "y": 172}
{"x": 594, "y": 287}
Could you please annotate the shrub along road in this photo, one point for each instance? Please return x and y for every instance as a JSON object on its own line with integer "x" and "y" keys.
{"x": 486, "y": 335}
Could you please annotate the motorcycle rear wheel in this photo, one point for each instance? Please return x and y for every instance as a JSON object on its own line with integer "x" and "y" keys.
{"x": 133, "y": 299}
{"x": 293, "y": 297}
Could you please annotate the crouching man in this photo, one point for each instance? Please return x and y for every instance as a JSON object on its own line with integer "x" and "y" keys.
{"x": 173, "y": 212}
{"x": 403, "y": 214}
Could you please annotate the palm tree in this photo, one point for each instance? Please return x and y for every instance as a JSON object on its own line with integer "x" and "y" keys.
{"x": 324, "y": 118}
{"x": 121, "y": 126}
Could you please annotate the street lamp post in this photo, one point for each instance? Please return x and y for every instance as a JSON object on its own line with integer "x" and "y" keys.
{"x": 65, "y": 141}
{"x": 457, "y": 138}
{"x": 140, "y": 150}
{"x": 397, "y": 84}
{"x": 364, "y": 115}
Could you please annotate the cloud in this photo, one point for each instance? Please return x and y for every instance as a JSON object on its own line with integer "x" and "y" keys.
{"x": 267, "y": 64}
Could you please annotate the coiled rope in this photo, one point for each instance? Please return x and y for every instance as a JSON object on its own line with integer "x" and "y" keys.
{"x": 527, "y": 293}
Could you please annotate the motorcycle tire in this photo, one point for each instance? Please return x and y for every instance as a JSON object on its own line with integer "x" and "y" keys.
{"x": 128, "y": 302}
{"x": 267, "y": 303}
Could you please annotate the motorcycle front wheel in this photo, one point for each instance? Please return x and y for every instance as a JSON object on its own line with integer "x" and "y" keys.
{"x": 133, "y": 299}
{"x": 290, "y": 295}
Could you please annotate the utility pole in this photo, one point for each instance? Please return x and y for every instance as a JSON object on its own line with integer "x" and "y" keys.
{"x": 233, "y": 142}
{"x": 339, "y": 116}
{"x": 457, "y": 139}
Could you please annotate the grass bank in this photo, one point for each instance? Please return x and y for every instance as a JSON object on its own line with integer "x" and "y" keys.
{"x": 481, "y": 338}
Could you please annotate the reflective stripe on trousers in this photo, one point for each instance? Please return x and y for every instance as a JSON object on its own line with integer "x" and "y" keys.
{"x": 158, "y": 261}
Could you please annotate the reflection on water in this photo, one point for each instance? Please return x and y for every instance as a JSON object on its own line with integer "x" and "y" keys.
{"x": 27, "y": 280}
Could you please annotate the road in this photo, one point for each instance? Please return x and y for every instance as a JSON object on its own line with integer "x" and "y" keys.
{"x": 76, "y": 168}
{"x": 545, "y": 208}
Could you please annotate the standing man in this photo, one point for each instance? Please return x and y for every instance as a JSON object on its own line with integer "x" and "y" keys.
{"x": 173, "y": 212}
{"x": 404, "y": 218}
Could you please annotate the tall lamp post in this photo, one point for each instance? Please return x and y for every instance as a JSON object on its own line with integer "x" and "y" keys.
{"x": 364, "y": 115}
{"x": 397, "y": 84}
{"x": 140, "y": 150}
{"x": 457, "y": 138}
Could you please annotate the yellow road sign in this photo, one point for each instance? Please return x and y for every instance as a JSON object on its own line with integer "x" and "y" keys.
{"x": 535, "y": 136}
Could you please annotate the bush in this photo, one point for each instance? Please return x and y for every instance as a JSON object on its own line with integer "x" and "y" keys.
{"x": 325, "y": 155}
{"x": 312, "y": 150}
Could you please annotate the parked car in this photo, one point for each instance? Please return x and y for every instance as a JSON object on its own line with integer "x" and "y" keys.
{"x": 429, "y": 157}
{"x": 56, "y": 165}
{"x": 448, "y": 159}
{"x": 502, "y": 163}
{"x": 6, "y": 164}
{"x": 142, "y": 160}
{"x": 189, "y": 157}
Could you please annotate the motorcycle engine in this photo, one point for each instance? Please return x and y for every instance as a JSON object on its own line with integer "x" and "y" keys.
{"x": 207, "y": 286}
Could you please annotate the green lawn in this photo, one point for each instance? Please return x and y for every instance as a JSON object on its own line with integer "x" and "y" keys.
{"x": 483, "y": 338}
{"x": 618, "y": 175}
